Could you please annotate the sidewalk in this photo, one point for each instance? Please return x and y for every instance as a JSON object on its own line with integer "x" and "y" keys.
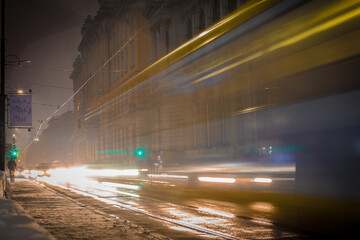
{"x": 68, "y": 218}
{"x": 14, "y": 222}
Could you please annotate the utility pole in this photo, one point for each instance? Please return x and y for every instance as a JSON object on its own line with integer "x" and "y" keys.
{"x": 2, "y": 95}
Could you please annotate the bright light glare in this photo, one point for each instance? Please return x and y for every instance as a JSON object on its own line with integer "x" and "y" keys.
{"x": 84, "y": 172}
{"x": 80, "y": 178}
{"x": 216, "y": 212}
{"x": 168, "y": 176}
{"x": 262, "y": 180}
{"x": 33, "y": 173}
{"x": 219, "y": 180}
{"x": 120, "y": 185}
{"x": 203, "y": 33}
{"x": 65, "y": 175}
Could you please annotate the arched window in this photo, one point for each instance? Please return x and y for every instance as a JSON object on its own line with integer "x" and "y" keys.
{"x": 155, "y": 35}
{"x": 216, "y": 11}
{"x": 201, "y": 21}
{"x": 232, "y": 5}
{"x": 189, "y": 32}
{"x": 167, "y": 37}
{"x": 132, "y": 22}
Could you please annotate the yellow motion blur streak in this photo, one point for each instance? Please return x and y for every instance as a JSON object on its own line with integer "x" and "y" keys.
{"x": 297, "y": 38}
{"x": 241, "y": 15}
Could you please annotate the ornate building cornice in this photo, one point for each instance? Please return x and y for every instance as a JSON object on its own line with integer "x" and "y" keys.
{"x": 76, "y": 66}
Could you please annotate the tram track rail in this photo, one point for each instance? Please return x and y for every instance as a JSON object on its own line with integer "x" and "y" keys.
{"x": 192, "y": 227}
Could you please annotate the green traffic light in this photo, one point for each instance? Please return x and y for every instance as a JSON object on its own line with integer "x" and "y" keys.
{"x": 14, "y": 152}
{"x": 139, "y": 152}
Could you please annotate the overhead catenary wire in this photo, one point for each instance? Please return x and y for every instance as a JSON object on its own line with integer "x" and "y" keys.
{"x": 78, "y": 90}
{"x": 87, "y": 81}
{"x": 50, "y": 25}
{"x": 41, "y": 84}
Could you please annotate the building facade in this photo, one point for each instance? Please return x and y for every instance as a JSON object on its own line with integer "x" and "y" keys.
{"x": 172, "y": 23}
{"x": 118, "y": 43}
{"x": 112, "y": 50}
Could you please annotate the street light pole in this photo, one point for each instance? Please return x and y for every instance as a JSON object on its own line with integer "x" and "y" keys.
{"x": 2, "y": 95}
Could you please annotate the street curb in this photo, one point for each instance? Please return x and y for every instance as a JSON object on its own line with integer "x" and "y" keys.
{"x": 16, "y": 224}
{"x": 2, "y": 184}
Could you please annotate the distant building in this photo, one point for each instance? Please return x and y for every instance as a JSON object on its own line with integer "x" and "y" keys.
{"x": 55, "y": 143}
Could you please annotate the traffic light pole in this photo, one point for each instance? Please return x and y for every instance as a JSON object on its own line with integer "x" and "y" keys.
{"x": 2, "y": 94}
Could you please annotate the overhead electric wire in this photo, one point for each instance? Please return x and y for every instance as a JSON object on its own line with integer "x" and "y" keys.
{"x": 39, "y": 84}
{"x": 59, "y": 20}
{"x": 89, "y": 78}
{"x": 43, "y": 68}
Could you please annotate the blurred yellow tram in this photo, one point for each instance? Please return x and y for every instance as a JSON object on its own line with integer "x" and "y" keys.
{"x": 269, "y": 92}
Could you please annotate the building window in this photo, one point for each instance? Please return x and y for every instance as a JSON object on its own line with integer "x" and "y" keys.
{"x": 167, "y": 36}
{"x": 126, "y": 61}
{"x": 155, "y": 37}
{"x": 132, "y": 54}
{"x": 132, "y": 22}
{"x": 157, "y": 41}
{"x": 111, "y": 72}
{"x": 216, "y": 11}
{"x": 201, "y": 21}
{"x": 117, "y": 38}
{"x": 242, "y": 2}
{"x": 102, "y": 50}
{"x": 126, "y": 28}
{"x": 121, "y": 35}
{"x": 122, "y": 63}
{"x": 117, "y": 70}
{"x": 114, "y": 42}
{"x": 189, "y": 32}
{"x": 154, "y": 43}
{"x": 232, "y": 5}
{"x": 167, "y": 40}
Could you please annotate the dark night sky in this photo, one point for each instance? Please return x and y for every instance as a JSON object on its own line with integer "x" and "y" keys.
{"x": 47, "y": 32}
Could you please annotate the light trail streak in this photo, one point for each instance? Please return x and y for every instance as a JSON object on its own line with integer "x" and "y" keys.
{"x": 262, "y": 180}
{"x": 120, "y": 185}
{"x": 168, "y": 176}
{"x": 322, "y": 27}
{"x": 216, "y": 212}
{"x": 218, "y": 180}
{"x": 81, "y": 178}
